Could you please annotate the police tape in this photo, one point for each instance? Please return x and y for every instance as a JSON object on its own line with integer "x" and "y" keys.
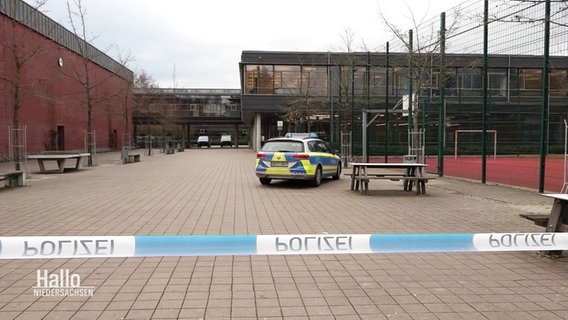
{"x": 48, "y": 247}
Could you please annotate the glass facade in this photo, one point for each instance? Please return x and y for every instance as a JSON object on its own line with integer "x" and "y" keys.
{"x": 176, "y": 107}
{"x": 286, "y": 80}
{"x": 317, "y": 81}
{"x": 342, "y": 86}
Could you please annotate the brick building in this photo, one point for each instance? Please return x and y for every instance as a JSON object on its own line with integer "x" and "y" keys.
{"x": 50, "y": 86}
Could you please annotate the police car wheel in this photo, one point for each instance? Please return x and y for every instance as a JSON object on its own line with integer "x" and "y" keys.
{"x": 317, "y": 177}
{"x": 337, "y": 174}
{"x": 265, "y": 181}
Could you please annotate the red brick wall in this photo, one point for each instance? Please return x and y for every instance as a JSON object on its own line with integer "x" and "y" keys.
{"x": 52, "y": 95}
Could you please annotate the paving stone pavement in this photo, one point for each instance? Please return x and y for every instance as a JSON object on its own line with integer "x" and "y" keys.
{"x": 214, "y": 191}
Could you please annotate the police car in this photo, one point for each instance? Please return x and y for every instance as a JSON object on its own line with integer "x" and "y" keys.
{"x": 296, "y": 157}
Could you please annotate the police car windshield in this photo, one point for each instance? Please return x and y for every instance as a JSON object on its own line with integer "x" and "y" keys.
{"x": 283, "y": 146}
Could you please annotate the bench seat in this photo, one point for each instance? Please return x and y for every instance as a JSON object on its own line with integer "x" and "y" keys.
{"x": 542, "y": 220}
{"x": 538, "y": 219}
{"x": 409, "y": 182}
{"x": 388, "y": 174}
{"x": 13, "y": 179}
{"x": 393, "y": 178}
{"x": 131, "y": 158}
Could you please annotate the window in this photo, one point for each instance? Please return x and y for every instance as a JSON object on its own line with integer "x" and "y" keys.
{"x": 312, "y": 146}
{"x": 431, "y": 83}
{"x": 378, "y": 79}
{"x": 360, "y": 80}
{"x": 314, "y": 81}
{"x": 321, "y": 146}
{"x": 530, "y": 81}
{"x": 497, "y": 82}
{"x": 283, "y": 146}
{"x": 286, "y": 80}
{"x": 451, "y": 81}
{"x": 558, "y": 83}
{"x": 471, "y": 78}
{"x": 399, "y": 81}
{"x": 260, "y": 79}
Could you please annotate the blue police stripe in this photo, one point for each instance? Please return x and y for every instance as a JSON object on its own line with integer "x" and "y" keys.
{"x": 422, "y": 243}
{"x": 195, "y": 245}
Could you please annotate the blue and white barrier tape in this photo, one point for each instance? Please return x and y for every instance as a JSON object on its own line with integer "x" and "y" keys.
{"x": 203, "y": 245}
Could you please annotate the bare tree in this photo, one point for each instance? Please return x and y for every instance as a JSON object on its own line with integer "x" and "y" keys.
{"x": 144, "y": 81}
{"x": 423, "y": 49}
{"x": 347, "y": 69}
{"x": 21, "y": 51}
{"x": 147, "y": 101}
{"x": 517, "y": 11}
{"x": 307, "y": 99}
{"x": 126, "y": 92}
{"x": 84, "y": 75}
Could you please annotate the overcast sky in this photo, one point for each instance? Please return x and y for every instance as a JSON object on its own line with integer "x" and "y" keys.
{"x": 199, "y": 43}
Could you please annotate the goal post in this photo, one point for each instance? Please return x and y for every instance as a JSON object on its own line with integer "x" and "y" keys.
{"x": 475, "y": 131}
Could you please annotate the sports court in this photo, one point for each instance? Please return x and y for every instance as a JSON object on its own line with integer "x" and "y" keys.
{"x": 521, "y": 171}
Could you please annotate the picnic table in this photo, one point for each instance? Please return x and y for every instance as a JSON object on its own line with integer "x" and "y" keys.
{"x": 60, "y": 158}
{"x": 557, "y": 220}
{"x": 409, "y": 172}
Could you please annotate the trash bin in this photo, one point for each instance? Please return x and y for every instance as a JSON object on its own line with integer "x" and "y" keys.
{"x": 409, "y": 158}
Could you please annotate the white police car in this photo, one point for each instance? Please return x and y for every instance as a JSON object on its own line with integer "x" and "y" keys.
{"x": 297, "y": 158}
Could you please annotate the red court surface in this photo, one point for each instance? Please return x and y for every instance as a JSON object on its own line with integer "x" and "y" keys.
{"x": 521, "y": 171}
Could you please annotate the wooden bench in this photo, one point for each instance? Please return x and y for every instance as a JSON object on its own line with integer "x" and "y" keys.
{"x": 131, "y": 158}
{"x": 390, "y": 176}
{"x": 556, "y": 221}
{"x": 409, "y": 182}
{"x": 538, "y": 219}
{"x": 420, "y": 183}
{"x": 13, "y": 179}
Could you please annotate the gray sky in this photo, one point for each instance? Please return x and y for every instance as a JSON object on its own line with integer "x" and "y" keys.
{"x": 199, "y": 43}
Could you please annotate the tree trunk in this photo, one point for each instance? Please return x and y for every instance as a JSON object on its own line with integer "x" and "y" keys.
{"x": 16, "y": 117}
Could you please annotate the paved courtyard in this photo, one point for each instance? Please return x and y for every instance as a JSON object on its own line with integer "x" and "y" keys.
{"x": 215, "y": 192}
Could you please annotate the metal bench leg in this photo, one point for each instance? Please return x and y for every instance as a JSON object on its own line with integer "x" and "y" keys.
{"x": 553, "y": 220}
{"x": 41, "y": 165}
{"x": 61, "y": 165}
{"x": 78, "y": 164}
{"x": 353, "y": 180}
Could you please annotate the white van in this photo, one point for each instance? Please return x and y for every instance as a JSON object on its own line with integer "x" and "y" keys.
{"x": 203, "y": 141}
{"x": 226, "y": 140}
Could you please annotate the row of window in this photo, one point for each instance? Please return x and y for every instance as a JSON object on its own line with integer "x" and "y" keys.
{"x": 335, "y": 80}
{"x": 174, "y": 110}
